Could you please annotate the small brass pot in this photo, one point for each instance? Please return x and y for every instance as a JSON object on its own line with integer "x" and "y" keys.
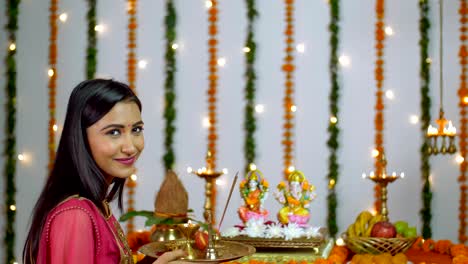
{"x": 165, "y": 233}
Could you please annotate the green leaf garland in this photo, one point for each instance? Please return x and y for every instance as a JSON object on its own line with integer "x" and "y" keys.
{"x": 426, "y": 195}
{"x": 91, "y": 50}
{"x": 250, "y": 79}
{"x": 10, "y": 145}
{"x": 333, "y": 129}
{"x": 170, "y": 114}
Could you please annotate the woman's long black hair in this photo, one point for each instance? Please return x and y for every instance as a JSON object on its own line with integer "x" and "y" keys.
{"x": 74, "y": 170}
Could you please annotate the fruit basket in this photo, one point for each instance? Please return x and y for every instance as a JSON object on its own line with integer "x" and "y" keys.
{"x": 377, "y": 245}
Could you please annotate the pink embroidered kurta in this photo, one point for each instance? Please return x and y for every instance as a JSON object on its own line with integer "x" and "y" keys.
{"x": 77, "y": 232}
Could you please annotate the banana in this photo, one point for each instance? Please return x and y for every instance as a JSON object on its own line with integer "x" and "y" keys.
{"x": 363, "y": 224}
{"x": 350, "y": 231}
{"x": 372, "y": 222}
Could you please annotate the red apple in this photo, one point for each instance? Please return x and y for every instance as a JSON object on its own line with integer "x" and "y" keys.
{"x": 383, "y": 229}
{"x": 201, "y": 240}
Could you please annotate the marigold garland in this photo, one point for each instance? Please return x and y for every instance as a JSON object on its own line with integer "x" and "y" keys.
{"x": 10, "y": 125}
{"x": 91, "y": 50}
{"x": 250, "y": 54}
{"x": 288, "y": 101}
{"x": 425, "y": 77}
{"x": 463, "y": 93}
{"x": 333, "y": 129}
{"x": 458, "y": 252}
{"x": 379, "y": 104}
{"x": 52, "y": 79}
{"x": 170, "y": 115}
{"x": 212, "y": 93}
{"x": 131, "y": 75}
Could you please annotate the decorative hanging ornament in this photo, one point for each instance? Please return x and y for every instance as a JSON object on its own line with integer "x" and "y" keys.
{"x": 445, "y": 131}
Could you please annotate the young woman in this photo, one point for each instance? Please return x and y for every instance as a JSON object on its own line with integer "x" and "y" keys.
{"x": 102, "y": 139}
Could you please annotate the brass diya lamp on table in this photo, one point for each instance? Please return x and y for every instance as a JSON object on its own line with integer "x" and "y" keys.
{"x": 209, "y": 174}
{"x": 383, "y": 180}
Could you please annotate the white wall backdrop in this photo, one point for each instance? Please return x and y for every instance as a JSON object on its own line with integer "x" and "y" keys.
{"x": 356, "y": 119}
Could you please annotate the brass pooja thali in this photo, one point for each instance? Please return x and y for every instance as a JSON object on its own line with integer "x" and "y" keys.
{"x": 225, "y": 250}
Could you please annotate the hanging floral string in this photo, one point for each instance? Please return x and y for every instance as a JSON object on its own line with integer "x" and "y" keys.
{"x": 463, "y": 94}
{"x": 379, "y": 105}
{"x": 170, "y": 23}
{"x": 212, "y": 93}
{"x": 288, "y": 100}
{"x": 425, "y": 77}
{"x": 250, "y": 50}
{"x": 333, "y": 129}
{"x": 10, "y": 142}
{"x": 52, "y": 79}
{"x": 91, "y": 50}
{"x": 131, "y": 75}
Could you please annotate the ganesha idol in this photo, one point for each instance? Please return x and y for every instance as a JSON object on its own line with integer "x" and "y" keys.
{"x": 254, "y": 191}
{"x": 295, "y": 196}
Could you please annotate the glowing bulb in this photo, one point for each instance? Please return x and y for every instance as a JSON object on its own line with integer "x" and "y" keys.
{"x": 189, "y": 169}
{"x": 142, "y": 64}
{"x": 225, "y": 171}
{"x": 63, "y": 17}
{"x": 246, "y": 49}
{"x": 99, "y": 28}
{"x": 465, "y": 99}
{"x": 133, "y": 177}
{"x": 428, "y": 60}
{"x": 344, "y": 60}
{"x": 364, "y": 175}
{"x": 259, "y": 108}
{"x": 291, "y": 168}
{"x": 175, "y": 46}
{"x": 300, "y": 47}
{"x": 333, "y": 119}
{"x": 208, "y": 4}
{"x": 389, "y": 94}
{"x": 252, "y": 166}
{"x": 21, "y": 157}
{"x": 12, "y": 46}
{"x": 339, "y": 242}
{"x": 221, "y": 62}
{"x": 459, "y": 159}
{"x": 332, "y": 182}
{"x": 373, "y": 211}
{"x": 220, "y": 182}
{"x": 206, "y": 122}
{"x": 50, "y": 72}
{"x": 12, "y": 207}
{"x": 293, "y": 108}
{"x": 402, "y": 175}
{"x": 375, "y": 153}
{"x": 414, "y": 119}
{"x": 55, "y": 128}
{"x": 389, "y": 31}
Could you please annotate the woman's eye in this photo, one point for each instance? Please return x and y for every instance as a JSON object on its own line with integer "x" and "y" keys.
{"x": 114, "y": 132}
{"x": 138, "y": 129}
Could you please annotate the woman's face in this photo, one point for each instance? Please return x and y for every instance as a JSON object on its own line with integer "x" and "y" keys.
{"x": 116, "y": 140}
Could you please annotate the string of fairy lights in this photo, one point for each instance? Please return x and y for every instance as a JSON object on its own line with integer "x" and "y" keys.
{"x": 25, "y": 157}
